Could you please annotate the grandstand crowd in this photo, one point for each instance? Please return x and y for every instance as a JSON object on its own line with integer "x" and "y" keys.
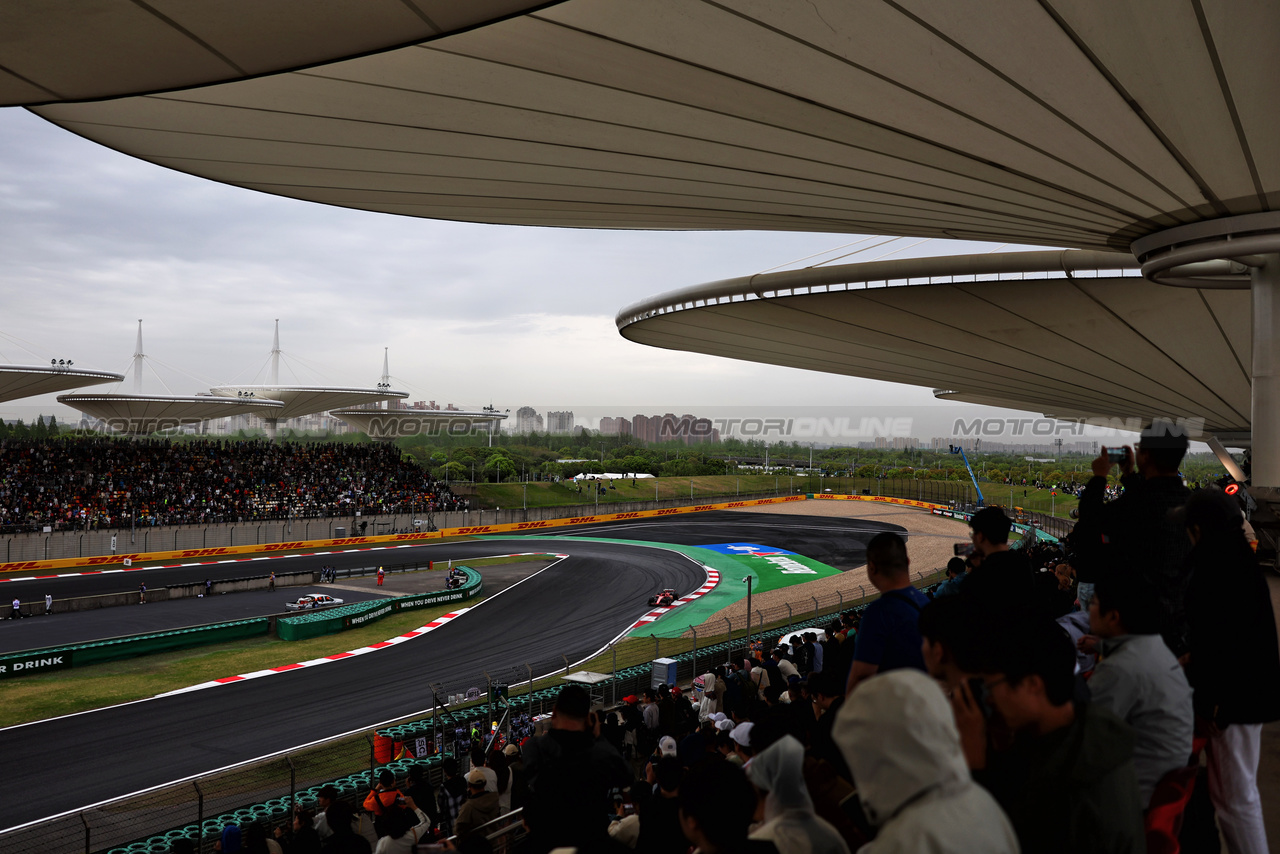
{"x": 90, "y": 482}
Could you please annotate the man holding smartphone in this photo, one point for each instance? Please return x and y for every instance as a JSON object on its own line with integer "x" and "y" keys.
{"x": 1138, "y": 532}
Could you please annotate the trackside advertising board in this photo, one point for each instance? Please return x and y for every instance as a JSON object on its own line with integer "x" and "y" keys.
{"x": 38, "y": 566}
{"x": 878, "y": 499}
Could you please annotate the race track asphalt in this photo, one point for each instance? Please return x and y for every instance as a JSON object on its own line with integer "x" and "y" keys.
{"x": 572, "y": 608}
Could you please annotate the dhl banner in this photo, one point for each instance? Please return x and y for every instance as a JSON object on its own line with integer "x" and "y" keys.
{"x": 390, "y": 539}
{"x": 883, "y": 499}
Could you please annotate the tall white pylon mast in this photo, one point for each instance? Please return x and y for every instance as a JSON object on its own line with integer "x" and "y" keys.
{"x": 275, "y": 355}
{"x": 386, "y": 375}
{"x": 137, "y": 361}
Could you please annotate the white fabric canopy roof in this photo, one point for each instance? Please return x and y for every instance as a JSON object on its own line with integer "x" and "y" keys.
{"x": 1077, "y": 344}
{"x": 143, "y": 414}
{"x": 57, "y": 50}
{"x": 1058, "y": 122}
{"x": 19, "y": 381}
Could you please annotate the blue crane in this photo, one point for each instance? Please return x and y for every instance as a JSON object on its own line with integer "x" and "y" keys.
{"x": 957, "y": 449}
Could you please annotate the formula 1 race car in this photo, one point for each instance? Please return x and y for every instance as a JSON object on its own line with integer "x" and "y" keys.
{"x": 315, "y": 600}
{"x": 664, "y": 599}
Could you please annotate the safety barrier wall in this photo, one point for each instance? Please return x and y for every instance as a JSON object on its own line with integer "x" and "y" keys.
{"x": 331, "y": 620}
{"x": 39, "y": 566}
{"x": 95, "y": 652}
{"x": 58, "y": 545}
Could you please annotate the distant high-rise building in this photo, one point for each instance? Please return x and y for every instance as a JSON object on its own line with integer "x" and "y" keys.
{"x": 645, "y": 428}
{"x": 528, "y": 420}
{"x": 560, "y": 422}
{"x": 615, "y": 426}
{"x": 881, "y": 443}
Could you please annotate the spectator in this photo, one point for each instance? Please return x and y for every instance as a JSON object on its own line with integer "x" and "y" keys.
{"x": 717, "y": 804}
{"x": 406, "y": 826}
{"x": 789, "y": 820}
{"x": 326, "y": 797}
{"x": 480, "y": 807}
{"x": 422, "y": 792}
{"x": 741, "y": 735}
{"x": 301, "y": 838}
{"x": 786, "y": 668}
{"x": 660, "y": 823}
{"x": 898, "y": 735}
{"x": 888, "y": 637}
{"x": 340, "y": 819}
{"x": 519, "y": 779}
{"x": 1233, "y": 664}
{"x": 1138, "y": 531}
{"x": 255, "y": 841}
{"x": 453, "y": 791}
{"x": 1067, "y": 779}
{"x": 1138, "y": 679}
{"x": 381, "y": 798}
{"x": 229, "y": 841}
{"x": 955, "y": 577}
{"x": 827, "y": 692}
{"x": 1000, "y": 575}
{"x": 572, "y": 775}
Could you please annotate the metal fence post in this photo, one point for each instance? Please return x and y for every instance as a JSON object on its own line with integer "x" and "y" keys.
{"x": 87, "y": 845}
{"x": 789, "y": 617}
{"x": 566, "y": 663}
{"x": 614, "y": 648}
{"x": 863, "y": 591}
{"x": 293, "y": 778}
{"x": 657, "y": 647}
{"x": 841, "y": 597}
{"x": 695, "y": 651}
{"x": 373, "y": 761}
{"x": 529, "y": 696}
{"x": 729, "y": 637}
{"x": 200, "y": 811}
{"x": 815, "y": 608}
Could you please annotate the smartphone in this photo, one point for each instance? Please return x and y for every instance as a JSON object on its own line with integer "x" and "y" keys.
{"x": 1116, "y": 455}
{"x": 962, "y": 549}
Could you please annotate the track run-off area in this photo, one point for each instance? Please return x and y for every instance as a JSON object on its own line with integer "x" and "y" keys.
{"x": 568, "y": 609}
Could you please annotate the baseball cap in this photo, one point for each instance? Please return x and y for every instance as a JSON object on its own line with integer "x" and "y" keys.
{"x": 475, "y": 777}
{"x": 510, "y": 750}
{"x": 667, "y": 745}
{"x": 742, "y": 733}
{"x": 724, "y": 725}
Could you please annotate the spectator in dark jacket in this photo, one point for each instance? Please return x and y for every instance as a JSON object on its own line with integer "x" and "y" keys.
{"x": 1139, "y": 531}
{"x": 572, "y": 775}
{"x": 1233, "y": 663}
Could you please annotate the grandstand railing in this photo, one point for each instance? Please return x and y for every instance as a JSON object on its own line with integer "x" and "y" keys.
{"x": 266, "y": 790}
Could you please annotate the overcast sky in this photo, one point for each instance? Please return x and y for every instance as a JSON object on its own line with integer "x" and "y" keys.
{"x": 92, "y": 240}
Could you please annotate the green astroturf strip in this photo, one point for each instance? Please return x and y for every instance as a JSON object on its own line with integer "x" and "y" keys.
{"x": 767, "y": 574}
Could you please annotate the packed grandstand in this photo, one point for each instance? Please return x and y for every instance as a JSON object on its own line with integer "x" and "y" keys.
{"x": 87, "y": 482}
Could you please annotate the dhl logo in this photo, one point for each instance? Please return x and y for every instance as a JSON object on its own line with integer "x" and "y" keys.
{"x": 667, "y": 512}
{"x": 702, "y": 507}
{"x": 349, "y": 541}
{"x": 194, "y": 553}
{"x": 627, "y": 515}
{"x": 482, "y": 529}
{"x": 524, "y": 526}
{"x": 279, "y": 547}
{"x": 30, "y": 564}
{"x": 578, "y": 520}
{"x": 738, "y": 504}
{"x": 98, "y": 561}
